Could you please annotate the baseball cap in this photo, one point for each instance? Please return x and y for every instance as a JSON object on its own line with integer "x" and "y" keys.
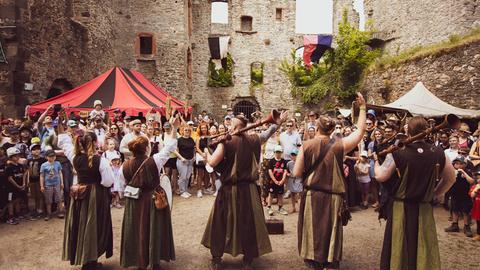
{"x": 12, "y": 151}
{"x": 228, "y": 117}
{"x": 50, "y": 153}
{"x": 364, "y": 154}
{"x": 278, "y": 148}
{"x": 190, "y": 123}
{"x": 294, "y": 152}
{"x": 460, "y": 159}
{"x": 72, "y": 123}
{"x": 372, "y": 112}
{"x": 167, "y": 125}
{"x": 35, "y": 140}
{"x": 33, "y": 146}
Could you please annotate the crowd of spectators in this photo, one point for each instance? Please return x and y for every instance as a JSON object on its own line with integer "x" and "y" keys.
{"x": 35, "y": 175}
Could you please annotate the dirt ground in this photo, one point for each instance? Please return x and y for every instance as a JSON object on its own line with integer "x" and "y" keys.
{"x": 38, "y": 244}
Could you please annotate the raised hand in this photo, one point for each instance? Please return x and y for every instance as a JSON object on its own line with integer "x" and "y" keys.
{"x": 361, "y": 100}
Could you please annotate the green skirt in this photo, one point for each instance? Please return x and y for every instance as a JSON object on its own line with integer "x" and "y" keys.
{"x": 237, "y": 223}
{"x": 147, "y": 235}
{"x": 88, "y": 227}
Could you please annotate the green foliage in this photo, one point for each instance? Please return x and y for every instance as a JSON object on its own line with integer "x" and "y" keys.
{"x": 256, "y": 75}
{"x": 222, "y": 77}
{"x": 420, "y": 52}
{"x": 339, "y": 72}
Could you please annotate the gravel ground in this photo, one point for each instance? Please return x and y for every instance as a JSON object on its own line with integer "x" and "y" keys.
{"x": 38, "y": 244}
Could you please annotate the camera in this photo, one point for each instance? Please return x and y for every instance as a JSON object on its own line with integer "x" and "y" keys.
{"x": 57, "y": 107}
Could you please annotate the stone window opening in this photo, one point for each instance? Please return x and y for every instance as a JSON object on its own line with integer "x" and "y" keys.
{"x": 256, "y": 73}
{"x": 278, "y": 14}
{"x": 145, "y": 45}
{"x": 219, "y": 11}
{"x": 246, "y": 23}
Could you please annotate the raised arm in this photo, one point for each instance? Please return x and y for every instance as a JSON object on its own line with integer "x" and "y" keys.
{"x": 271, "y": 130}
{"x": 448, "y": 179}
{"x": 214, "y": 159}
{"x": 351, "y": 141}
{"x": 162, "y": 157}
{"x": 384, "y": 172}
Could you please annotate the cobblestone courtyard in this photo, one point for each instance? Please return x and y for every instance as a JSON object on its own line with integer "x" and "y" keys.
{"x": 38, "y": 244}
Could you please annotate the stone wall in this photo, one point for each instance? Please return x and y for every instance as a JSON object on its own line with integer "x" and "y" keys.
{"x": 8, "y": 38}
{"x": 47, "y": 43}
{"x": 404, "y": 24}
{"x": 270, "y": 42}
{"x": 167, "y": 21}
{"x": 452, "y": 75}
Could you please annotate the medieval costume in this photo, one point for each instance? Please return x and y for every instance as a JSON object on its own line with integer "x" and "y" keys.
{"x": 237, "y": 223}
{"x": 147, "y": 236}
{"x": 88, "y": 226}
{"x": 410, "y": 236}
{"x": 320, "y": 231}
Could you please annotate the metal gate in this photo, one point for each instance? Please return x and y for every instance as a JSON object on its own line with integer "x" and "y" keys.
{"x": 245, "y": 107}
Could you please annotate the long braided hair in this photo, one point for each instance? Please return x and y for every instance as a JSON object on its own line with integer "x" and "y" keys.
{"x": 85, "y": 143}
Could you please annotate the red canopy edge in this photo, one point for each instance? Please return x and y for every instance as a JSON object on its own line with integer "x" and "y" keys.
{"x": 118, "y": 88}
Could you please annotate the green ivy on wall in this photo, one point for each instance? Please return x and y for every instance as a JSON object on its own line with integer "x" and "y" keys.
{"x": 222, "y": 77}
{"x": 339, "y": 72}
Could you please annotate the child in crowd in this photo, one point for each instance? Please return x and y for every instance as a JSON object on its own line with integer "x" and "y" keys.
{"x": 97, "y": 110}
{"x": 110, "y": 151}
{"x": 118, "y": 185}
{"x": 16, "y": 184}
{"x": 34, "y": 164}
{"x": 475, "y": 194}
{"x": 277, "y": 170}
{"x": 461, "y": 201}
{"x": 294, "y": 183}
{"x": 51, "y": 184}
{"x": 362, "y": 169}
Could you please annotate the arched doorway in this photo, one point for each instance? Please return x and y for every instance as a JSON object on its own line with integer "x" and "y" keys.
{"x": 247, "y": 106}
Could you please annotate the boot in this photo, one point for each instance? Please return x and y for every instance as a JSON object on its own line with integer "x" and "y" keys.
{"x": 453, "y": 228}
{"x": 247, "y": 263}
{"x": 468, "y": 231}
{"x": 215, "y": 264}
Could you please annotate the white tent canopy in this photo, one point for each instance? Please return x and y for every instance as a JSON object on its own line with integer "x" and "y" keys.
{"x": 420, "y": 101}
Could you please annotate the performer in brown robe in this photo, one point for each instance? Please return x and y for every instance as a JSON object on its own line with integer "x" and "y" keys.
{"x": 320, "y": 231}
{"x": 237, "y": 222}
{"x": 147, "y": 235}
{"x": 410, "y": 236}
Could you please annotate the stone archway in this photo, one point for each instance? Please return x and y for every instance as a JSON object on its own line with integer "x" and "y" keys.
{"x": 245, "y": 105}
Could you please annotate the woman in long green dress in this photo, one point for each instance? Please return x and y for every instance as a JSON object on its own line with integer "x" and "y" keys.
{"x": 88, "y": 226}
{"x": 147, "y": 236}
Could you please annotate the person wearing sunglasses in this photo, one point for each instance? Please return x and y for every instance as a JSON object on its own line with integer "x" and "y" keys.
{"x": 290, "y": 140}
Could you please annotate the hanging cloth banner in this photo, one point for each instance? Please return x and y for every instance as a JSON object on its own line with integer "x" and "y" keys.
{"x": 314, "y": 17}
{"x": 218, "y": 46}
{"x": 3, "y": 59}
{"x": 314, "y": 47}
